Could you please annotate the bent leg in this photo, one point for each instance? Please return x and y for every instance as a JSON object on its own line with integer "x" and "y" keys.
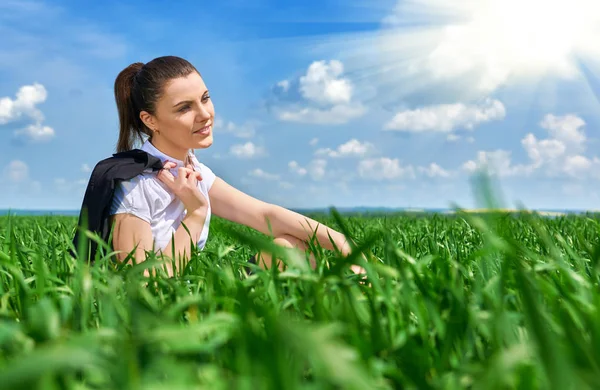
{"x": 265, "y": 259}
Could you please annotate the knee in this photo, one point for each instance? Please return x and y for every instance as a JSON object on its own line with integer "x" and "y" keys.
{"x": 288, "y": 241}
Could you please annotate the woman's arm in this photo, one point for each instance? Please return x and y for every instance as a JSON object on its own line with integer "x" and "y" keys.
{"x": 284, "y": 221}
{"x": 131, "y": 231}
{"x": 234, "y": 205}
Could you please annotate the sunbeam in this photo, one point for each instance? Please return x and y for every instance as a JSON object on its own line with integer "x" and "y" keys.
{"x": 468, "y": 49}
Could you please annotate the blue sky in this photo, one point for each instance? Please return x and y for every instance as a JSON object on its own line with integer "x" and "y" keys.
{"x": 344, "y": 103}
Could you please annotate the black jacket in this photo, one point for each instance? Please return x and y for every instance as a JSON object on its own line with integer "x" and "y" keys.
{"x": 101, "y": 188}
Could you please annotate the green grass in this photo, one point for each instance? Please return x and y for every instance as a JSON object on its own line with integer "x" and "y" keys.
{"x": 494, "y": 301}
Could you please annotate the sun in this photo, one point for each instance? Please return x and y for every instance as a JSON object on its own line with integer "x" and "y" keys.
{"x": 534, "y": 35}
{"x": 444, "y": 51}
{"x": 496, "y": 40}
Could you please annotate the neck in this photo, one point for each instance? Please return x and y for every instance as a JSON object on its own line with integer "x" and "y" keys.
{"x": 170, "y": 149}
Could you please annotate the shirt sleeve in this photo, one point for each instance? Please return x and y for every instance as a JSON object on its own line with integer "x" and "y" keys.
{"x": 208, "y": 176}
{"x": 130, "y": 198}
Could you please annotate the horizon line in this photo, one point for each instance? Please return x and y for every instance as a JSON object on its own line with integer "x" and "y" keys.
{"x": 319, "y": 208}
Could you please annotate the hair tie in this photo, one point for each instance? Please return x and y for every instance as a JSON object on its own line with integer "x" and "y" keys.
{"x": 139, "y": 71}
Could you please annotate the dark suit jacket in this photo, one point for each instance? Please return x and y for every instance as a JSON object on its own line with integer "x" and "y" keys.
{"x": 100, "y": 190}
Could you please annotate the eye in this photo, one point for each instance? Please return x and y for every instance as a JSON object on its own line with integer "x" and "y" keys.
{"x": 205, "y": 97}
{"x": 184, "y": 108}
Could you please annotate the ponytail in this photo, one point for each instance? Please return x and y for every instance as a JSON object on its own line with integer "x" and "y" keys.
{"x": 130, "y": 124}
{"x": 137, "y": 88}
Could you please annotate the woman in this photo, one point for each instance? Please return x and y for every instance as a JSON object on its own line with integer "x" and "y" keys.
{"x": 167, "y": 102}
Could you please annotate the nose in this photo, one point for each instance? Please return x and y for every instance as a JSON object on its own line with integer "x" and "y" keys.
{"x": 203, "y": 113}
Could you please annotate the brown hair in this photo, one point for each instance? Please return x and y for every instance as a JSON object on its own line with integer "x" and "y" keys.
{"x": 137, "y": 88}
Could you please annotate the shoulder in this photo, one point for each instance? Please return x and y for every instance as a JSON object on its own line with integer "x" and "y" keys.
{"x": 123, "y": 166}
{"x": 141, "y": 195}
{"x": 145, "y": 185}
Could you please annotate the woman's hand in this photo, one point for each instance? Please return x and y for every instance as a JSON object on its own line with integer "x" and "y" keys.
{"x": 346, "y": 250}
{"x": 184, "y": 186}
{"x": 357, "y": 269}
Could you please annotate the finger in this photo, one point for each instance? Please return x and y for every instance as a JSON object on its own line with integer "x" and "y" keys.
{"x": 164, "y": 174}
{"x": 193, "y": 179}
{"x": 166, "y": 177}
{"x": 191, "y": 174}
{"x": 182, "y": 174}
{"x": 169, "y": 165}
{"x": 191, "y": 170}
{"x": 197, "y": 174}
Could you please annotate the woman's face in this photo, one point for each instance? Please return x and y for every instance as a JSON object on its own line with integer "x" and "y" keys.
{"x": 184, "y": 116}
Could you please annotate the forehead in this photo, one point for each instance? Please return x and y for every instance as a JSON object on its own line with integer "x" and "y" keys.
{"x": 189, "y": 87}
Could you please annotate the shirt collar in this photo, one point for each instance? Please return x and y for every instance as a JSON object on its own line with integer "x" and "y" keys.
{"x": 151, "y": 149}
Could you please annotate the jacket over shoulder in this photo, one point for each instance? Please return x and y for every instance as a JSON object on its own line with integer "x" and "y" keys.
{"x": 101, "y": 188}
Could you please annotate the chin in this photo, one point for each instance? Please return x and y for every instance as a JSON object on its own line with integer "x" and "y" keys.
{"x": 205, "y": 143}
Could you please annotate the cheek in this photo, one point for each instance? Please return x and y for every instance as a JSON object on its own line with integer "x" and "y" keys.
{"x": 183, "y": 122}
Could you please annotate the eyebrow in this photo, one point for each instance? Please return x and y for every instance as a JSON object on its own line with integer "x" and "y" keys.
{"x": 188, "y": 101}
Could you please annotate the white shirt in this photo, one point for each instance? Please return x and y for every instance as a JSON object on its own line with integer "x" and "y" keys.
{"x": 146, "y": 197}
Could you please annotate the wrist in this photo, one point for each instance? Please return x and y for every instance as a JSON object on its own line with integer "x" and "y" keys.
{"x": 197, "y": 212}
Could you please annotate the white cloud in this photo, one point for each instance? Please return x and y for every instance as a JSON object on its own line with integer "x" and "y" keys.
{"x": 27, "y": 98}
{"x": 335, "y": 115}
{"x": 497, "y": 163}
{"x": 559, "y": 155}
{"x": 259, "y": 173}
{"x": 567, "y": 129}
{"x": 384, "y": 168}
{"x": 284, "y": 84}
{"x": 36, "y": 133}
{"x": 246, "y": 130}
{"x": 446, "y": 117}
{"x": 352, "y": 148}
{"x": 17, "y": 171}
{"x": 314, "y": 142}
{"x": 16, "y": 178}
{"x": 562, "y": 152}
{"x": 247, "y": 150}
{"x": 327, "y": 97}
{"x": 579, "y": 165}
{"x": 434, "y": 170}
{"x": 25, "y": 103}
{"x": 324, "y": 85}
{"x": 85, "y": 168}
{"x": 316, "y": 169}
{"x": 297, "y": 169}
{"x": 541, "y": 152}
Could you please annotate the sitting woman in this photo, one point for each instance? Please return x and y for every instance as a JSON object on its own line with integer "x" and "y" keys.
{"x": 167, "y": 102}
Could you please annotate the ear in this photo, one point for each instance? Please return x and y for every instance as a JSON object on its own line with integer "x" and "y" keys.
{"x": 148, "y": 119}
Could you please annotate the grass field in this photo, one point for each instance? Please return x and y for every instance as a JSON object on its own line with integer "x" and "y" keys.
{"x": 494, "y": 301}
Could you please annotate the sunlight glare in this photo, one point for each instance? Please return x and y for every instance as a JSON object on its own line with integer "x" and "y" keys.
{"x": 535, "y": 34}
{"x": 518, "y": 38}
{"x": 487, "y": 43}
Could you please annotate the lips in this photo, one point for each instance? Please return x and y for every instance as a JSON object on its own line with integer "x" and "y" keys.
{"x": 204, "y": 130}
